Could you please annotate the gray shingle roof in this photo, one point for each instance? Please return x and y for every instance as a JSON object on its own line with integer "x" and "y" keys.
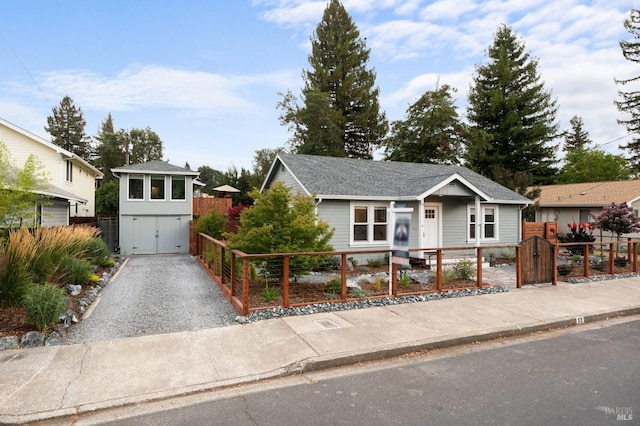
{"x": 332, "y": 176}
{"x": 155, "y": 167}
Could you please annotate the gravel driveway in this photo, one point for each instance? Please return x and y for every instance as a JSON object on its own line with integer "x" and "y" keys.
{"x": 155, "y": 295}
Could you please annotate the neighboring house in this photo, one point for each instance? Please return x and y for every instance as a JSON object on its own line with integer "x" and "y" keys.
{"x": 577, "y": 202}
{"x": 155, "y": 207}
{"x": 354, "y": 196}
{"x": 72, "y": 179}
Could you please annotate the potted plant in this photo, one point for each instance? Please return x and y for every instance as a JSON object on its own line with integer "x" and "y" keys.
{"x": 618, "y": 219}
{"x": 578, "y": 233}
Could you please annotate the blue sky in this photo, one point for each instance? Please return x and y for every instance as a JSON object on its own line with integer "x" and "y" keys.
{"x": 204, "y": 75}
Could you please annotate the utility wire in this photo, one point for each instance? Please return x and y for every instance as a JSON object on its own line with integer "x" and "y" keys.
{"x": 25, "y": 69}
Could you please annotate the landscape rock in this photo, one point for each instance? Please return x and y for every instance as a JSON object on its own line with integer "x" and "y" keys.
{"x": 53, "y": 339}
{"x": 73, "y": 289}
{"x": 9, "y": 342}
{"x": 32, "y": 339}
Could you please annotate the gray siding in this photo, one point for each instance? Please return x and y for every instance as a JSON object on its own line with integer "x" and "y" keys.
{"x": 509, "y": 224}
{"x": 454, "y": 223}
{"x": 158, "y": 207}
{"x": 283, "y": 175}
{"x": 336, "y": 214}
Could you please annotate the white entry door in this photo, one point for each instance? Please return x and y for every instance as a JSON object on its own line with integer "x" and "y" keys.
{"x": 431, "y": 226}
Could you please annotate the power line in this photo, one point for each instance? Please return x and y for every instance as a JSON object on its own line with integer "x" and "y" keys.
{"x": 25, "y": 68}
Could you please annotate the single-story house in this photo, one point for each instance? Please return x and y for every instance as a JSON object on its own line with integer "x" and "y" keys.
{"x": 578, "y": 202}
{"x": 156, "y": 205}
{"x": 72, "y": 180}
{"x": 451, "y": 205}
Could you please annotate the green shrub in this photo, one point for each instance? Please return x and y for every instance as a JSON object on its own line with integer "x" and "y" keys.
{"x": 43, "y": 304}
{"x": 448, "y": 274}
{"x": 465, "y": 269}
{"x": 334, "y": 286}
{"x": 405, "y": 280}
{"x": 374, "y": 262}
{"x": 269, "y": 294}
{"x": 74, "y": 271}
{"x": 212, "y": 224}
{"x": 97, "y": 252}
{"x": 14, "y": 279}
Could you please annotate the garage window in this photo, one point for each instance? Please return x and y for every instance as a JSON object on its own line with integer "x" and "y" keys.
{"x": 157, "y": 187}
{"x": 177, "y": 187}
{"x": 136, "y": 187}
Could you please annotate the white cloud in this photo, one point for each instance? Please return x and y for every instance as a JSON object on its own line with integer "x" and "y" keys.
{"x": 153, "y": 86}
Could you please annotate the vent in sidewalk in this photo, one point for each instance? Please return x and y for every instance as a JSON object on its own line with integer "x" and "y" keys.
{"x": 326, "y": 324}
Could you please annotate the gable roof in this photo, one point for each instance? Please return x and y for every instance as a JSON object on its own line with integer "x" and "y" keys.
{"x": 350, "y": 178}
{"x": 589, "y": 194}
{"x": 155, "y": 167}
{"x": 51, "y": 146}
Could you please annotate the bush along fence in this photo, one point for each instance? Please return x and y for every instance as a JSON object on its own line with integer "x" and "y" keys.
{"x": 592, "y": 259}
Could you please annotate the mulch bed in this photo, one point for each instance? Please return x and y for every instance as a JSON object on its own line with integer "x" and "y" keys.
{"x": 306, "y": 293}
{"x": 14, "y": 320}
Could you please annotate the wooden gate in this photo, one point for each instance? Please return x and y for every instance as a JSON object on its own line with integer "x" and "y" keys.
{"x": 538, "y": 261}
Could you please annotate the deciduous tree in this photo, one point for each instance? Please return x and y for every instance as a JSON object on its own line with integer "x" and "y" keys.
{"x": 281, "y": 222}
{"x": 18, "y": 188}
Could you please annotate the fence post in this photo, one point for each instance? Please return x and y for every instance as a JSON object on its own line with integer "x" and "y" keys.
{"x": 394, "y": 279}
{"x": 635, "y": 256}
{"x": 611, "y": 258}
{"x": 479, "y": 267}
{"x": 343, "y": 277}
{"x": 245, "y": 286}
{"x": 585, "y": 260}
{"x": 285, "y": 281}
{"x": 518, "y": 267}
{"x": 556, "y": 250}
{"x": 439, "y": 270}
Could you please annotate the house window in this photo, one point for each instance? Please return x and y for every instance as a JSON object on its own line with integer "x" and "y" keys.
{"x": 136, "y": 187}
{"x": 69, "y": 175}
{"x": 178, "y": 188}
{"x": 369, "y": 223}
{"x": 157, "y": 187}
{"x": 489, "y": 229}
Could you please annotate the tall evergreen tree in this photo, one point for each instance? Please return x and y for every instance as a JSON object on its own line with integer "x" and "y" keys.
{"x": 66, "y": 127}
{"x": 340, "y": 115}
{"x": 508, "y": 102}
{"x": 630, "y": 103}
{"x": 109, "y": 148}
{"x": 431, "y": 131}
{"x": 576, "y": 137}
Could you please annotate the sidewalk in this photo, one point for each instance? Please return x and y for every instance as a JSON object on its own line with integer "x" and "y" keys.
{"x": 55, "y": 381}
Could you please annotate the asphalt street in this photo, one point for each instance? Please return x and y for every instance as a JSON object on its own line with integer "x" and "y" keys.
{"x": 155, "y": 295}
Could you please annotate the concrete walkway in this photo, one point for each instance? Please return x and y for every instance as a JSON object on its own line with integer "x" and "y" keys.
{"x": 55, "y": 381}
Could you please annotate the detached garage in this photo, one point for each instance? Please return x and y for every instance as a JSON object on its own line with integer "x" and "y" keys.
{"x": 155, "y": 208}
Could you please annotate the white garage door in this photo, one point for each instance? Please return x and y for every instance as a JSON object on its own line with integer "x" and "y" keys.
{"x": 156, "y": 234}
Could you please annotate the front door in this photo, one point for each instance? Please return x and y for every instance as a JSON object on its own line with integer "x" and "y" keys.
{"x": 430, "y": 237}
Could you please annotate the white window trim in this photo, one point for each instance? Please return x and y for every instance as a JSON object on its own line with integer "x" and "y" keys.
{"x": 164, "y": 180}
{"x": 370, "y": 224}
{"x": 184, "y": 180}
{"x": 481, "y": 224}
{"x": 129, "y": 183}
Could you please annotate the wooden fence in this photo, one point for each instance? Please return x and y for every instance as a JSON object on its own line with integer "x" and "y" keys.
{"x": 202, "y": 206}
{"x": 247, "y": 279}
